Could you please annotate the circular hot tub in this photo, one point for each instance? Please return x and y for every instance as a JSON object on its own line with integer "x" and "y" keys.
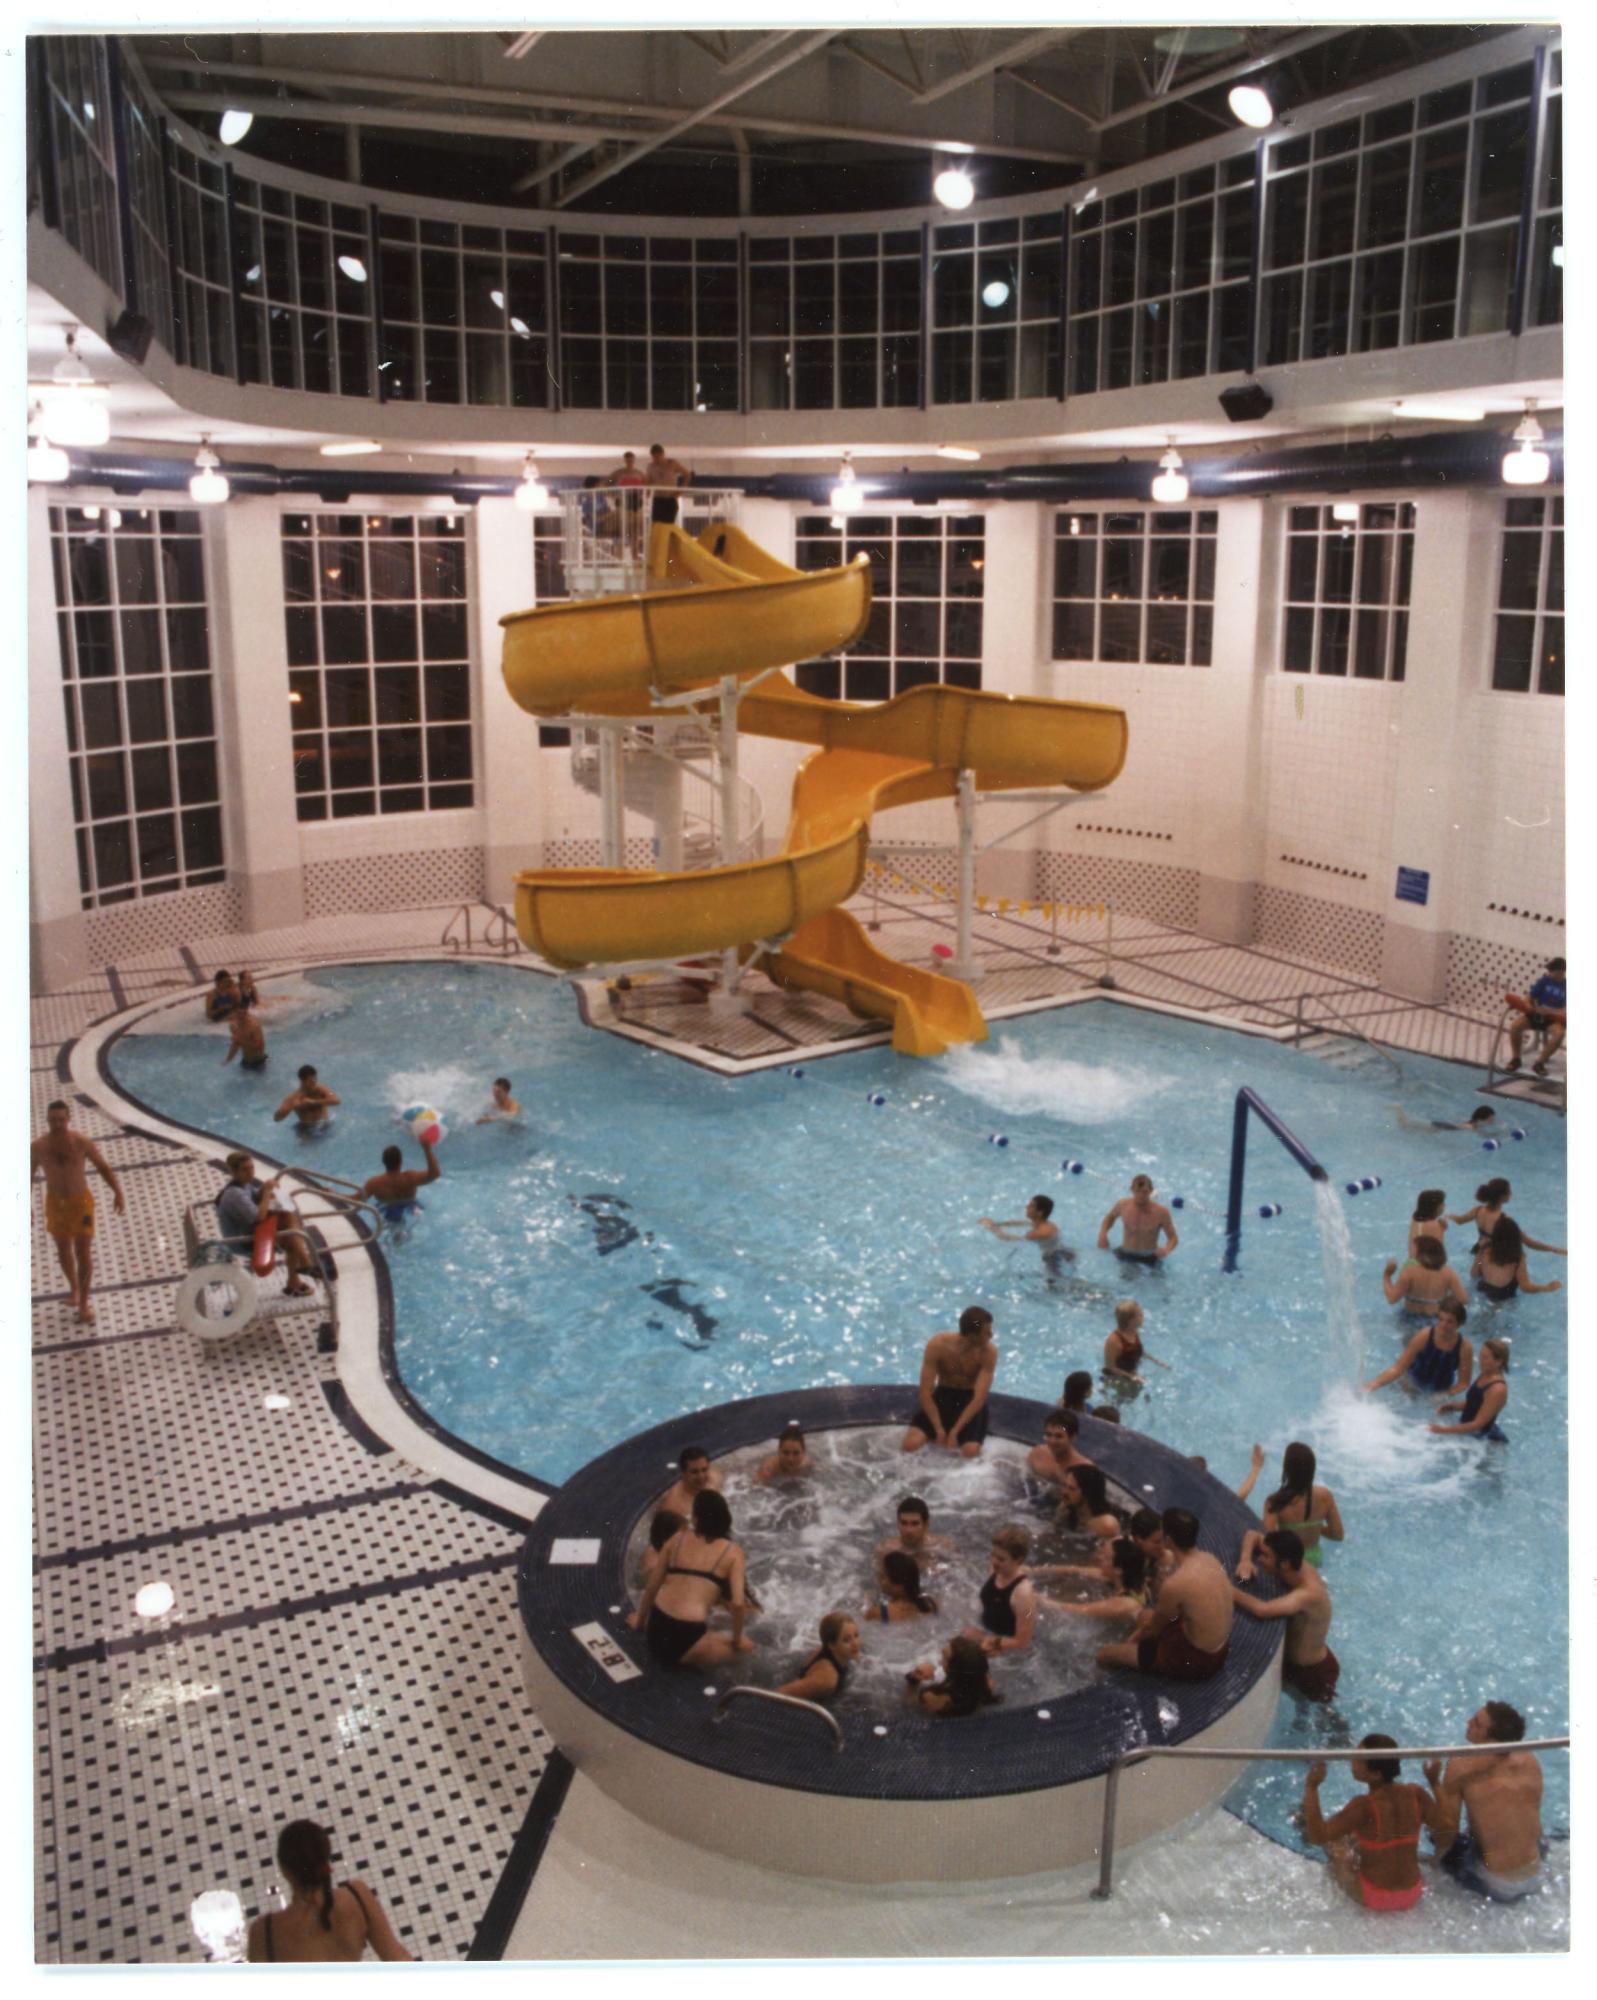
{"x": 1014, "y": 1790}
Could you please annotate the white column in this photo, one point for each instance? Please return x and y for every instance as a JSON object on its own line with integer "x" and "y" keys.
{"x": 249, "y": 659}
{"x": 1451, "y": 608}
{"x": 1231, "y": 832}
{"x": 56, "y": 944}
{"x": 508, "y": 758}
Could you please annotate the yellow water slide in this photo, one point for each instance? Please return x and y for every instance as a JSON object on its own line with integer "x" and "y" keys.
{"x": 724, "y": 606}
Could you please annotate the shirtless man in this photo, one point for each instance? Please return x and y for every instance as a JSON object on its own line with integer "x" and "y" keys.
{"x": 247, "y": 1040}
{"x": 1057, "y": 1453}
{"x": 223, "y": 1000}
{"x": 62, "y": 1155}
{"x": 503, "y": 1105}
{"x": 1039, "y": 1230}
{"x": 956, "y": 1377}
{"x": 310, "y": 1104}
{"x": 1142, "y": 1222}
{"x": 1308, "y": 1667}
{"x": 1185, "y": 1634}
{"x": 1501, "y": 1854}
{"x": 394, "y": 1189}
{"x": 695, "y": 1474}
{"x": 915, "y": 1537}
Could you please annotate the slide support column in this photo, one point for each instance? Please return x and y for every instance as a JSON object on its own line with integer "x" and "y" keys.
{"x": 964, "y": 965}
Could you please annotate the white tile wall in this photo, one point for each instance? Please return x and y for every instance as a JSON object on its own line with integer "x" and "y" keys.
{"x": 127, "y": 929}
{"x": 407, "y": 881}
{"x": 1510, "y": 887}
{"x": 1331, "y": 769}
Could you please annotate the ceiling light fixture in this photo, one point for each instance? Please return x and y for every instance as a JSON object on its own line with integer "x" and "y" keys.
{"x": 155, "y": 1600}
{"x": 1448, "y": 413}
{"x": 208, "y": 487}
{"x": 848, "y": 496}
{"x": 954, "y": 188}
{"x": 352, "y": 267}
{"x": 1085, "y": 200}
{"x": 350, "y": 448}
{"x": 47, "y": 463}
{"x": 531, "y": 493}
{"x": 234, "y": 125}
{"x": 1250, "y": 105}
{"x": 1345, "y": 510}
{"x": 1170, "y": 485}
{"x": 956, "y": 451}
{"x": 73, "y": 407}
{"x": 1529, "y": 465}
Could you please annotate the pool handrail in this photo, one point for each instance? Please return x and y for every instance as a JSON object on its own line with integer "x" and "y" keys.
{"x": 1111, "y": 1794}
{"x": 787, "y": 1701}
{"x": 1250, "y": 1100}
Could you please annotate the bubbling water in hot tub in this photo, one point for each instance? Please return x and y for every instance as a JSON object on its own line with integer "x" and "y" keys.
{"x": 811, "y": 1548}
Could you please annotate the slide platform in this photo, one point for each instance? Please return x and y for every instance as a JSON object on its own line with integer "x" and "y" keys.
{"x": 725, "y": 606}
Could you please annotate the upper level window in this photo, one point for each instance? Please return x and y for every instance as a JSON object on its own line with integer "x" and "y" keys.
{"x": 648, "y": 323}
{"x": 1544, "y": 304}
{"x": 926, "y": 602}
{"x": 835, "y": 321}
{"x": 379, "y": 680}
{"x": 995, "y": 310}
{"x": 82, "y": 155}
{"x": 304, "y": 293}
{"x": 1529, "y": 648}
{"x": 1135, "y": 586}
{"x": 141, "y": 727}
{"x": 1347, "y": 591}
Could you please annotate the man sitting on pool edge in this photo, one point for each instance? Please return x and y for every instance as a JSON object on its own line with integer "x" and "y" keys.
{"x": 394, "y": 1189}
{"x": 1186, "y": 1634}
{"x": 955, "y": 1379}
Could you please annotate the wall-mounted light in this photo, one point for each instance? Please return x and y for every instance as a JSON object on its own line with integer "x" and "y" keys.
{"x": 1250, "y": 105}
{"x": 848, "y": 496}
{"x": 954, "y": 188}
{"x": 1170, "y": 485}
{"x": 73, "y": 407}
{"x": 957, "y": 451}
{"x": 208, "y": 487}
{"x": 1529, "y": 465}
{"x": 349, "y": 447}
{"x": 531, "y": 493}
{"x": 234, "y": 125}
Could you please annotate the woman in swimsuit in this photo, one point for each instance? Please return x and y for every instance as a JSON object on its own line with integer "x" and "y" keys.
{"x": 1489, "y": 1201}
{"x": 1486, "y": 1400}
{"x": 1499, "y": 1268}
{"x": 1310, "y": 1511}
{"x": 966, "y": 1685}
{"x": 1373, "y": 1844}
{"x": 824, "y": 1674}
{"x": 1428, "y": 1218}
{"x": 1123, "y": 1351}
{"x": 699, "y": 1566}
{"x": 900, "y": 1598}
{"x": 1085, "y": 1507}
{"x": 790, "y": 1460}
{"x": 1424, "y": 1281}
{"x": 1437, "y": 1360}
{"x": 1121, "y": 1566}
{"x": 1008, "y": 1601}
{"x": 663, "y": 1529}
{"x": 322, "y": 1923}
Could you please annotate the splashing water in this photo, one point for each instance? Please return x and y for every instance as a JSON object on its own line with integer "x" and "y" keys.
{"x": 1346, "y": 1347}
{"x": 1077, "y": 1093}
{"x": 454, "y": 1091}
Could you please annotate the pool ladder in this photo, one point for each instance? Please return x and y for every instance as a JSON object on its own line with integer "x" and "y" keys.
{"x": 498, "y": 934}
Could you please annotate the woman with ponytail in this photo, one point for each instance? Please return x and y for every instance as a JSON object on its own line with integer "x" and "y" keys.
{"x": 324, "y": 1922}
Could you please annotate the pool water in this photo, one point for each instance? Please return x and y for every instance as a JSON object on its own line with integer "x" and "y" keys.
{"x": 655, "y": 1239}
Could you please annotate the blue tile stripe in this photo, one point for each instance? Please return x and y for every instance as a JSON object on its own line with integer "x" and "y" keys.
{"x": 236, "y": 1524}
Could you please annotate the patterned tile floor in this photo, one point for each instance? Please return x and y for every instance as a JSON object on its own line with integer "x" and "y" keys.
{"x": 342, "y": 1642}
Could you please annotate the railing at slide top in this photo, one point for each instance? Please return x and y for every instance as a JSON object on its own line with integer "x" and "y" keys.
{"x": 1250, "y": 1101}
{"x": 498, "y": 933}
{"x": 1111, "y": 1795}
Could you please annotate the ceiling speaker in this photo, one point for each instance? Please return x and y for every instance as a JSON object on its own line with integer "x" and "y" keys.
{"x": 1247, "y": 402}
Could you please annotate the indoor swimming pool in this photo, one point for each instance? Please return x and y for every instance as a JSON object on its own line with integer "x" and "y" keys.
{"x": 652, "y": 1239}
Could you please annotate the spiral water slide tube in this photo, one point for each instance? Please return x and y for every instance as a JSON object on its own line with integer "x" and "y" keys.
{"x": 723, "y": 606}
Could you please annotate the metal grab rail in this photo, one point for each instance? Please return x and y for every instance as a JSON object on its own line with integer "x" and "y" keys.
{"x": 787, "y": 1701}
{"x": 1343, "y": 1027}
{"x": 1111, "y": 1795}
{"x": 507, "y": 939}
{"x": 449, "y": 938}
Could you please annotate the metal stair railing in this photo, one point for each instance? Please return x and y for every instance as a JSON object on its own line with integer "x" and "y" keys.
{"x": 463, "y": 942}
{"x": 1341, "y": 1026}
{"x": 1111, "y": 1795}
{"x": 785, "y": 1701}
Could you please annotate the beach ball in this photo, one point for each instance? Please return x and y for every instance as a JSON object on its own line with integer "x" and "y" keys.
{"x": 427, "y": 1126}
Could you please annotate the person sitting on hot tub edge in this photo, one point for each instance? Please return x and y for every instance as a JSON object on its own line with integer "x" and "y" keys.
{"x": 1186, "y": 1636}
{"x": 699, "y": 1567}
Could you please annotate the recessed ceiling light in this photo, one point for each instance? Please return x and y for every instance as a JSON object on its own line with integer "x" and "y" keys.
{"x": 1250, "y": 105}
{"x": 276, "y": 1402}
{"x": 350, "y": 448}
{"x": 234, "y": 125}
{"x": 956, "y": 451}
{"x": 1451, "y": 413}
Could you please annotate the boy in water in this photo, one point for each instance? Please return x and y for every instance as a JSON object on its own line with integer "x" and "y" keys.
{"x": 1142, "y": 1222}
{"x": 247, "y": 1040}
{"x": 915, "y": 1537}
{"x": 1039, "y": 1230}
{"x": 502, "y": 1105}
{"x": 310, "y": 1104}
{"x": 1308, "y": 1666}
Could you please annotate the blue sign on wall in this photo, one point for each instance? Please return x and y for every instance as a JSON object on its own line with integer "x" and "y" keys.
{"x": 1413, "y": 885}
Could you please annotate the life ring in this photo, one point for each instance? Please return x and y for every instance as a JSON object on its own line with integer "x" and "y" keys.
{"x": 189, "y": 1310}
{"x": 264, "y": 1254}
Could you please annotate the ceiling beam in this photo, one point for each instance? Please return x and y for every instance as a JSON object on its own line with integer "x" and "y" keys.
{"x": 875, "y": 63}
{"x": 567, "y": 157}
{"x": 912, "y": 59}
{"x": 794, "y": 50}
{"x": 1014, "y": 52}
{"x": 393, "y": 118}
{"x": 755, "y": 52}
{"x": 1172, "y": 61}
{"x": 1280, "y": 53}
{"x": 1052, "y": 96}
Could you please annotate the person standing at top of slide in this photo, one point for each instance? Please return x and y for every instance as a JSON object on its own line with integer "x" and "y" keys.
{"x": 1142, "y": 1222}
{"x": 626, "y": 473}
{"x": 663, "y": 471}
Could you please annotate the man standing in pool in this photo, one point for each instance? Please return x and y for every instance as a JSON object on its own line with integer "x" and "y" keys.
{"x": 956, "y": 1378}
{"x": 1186, "y": 1634}
{"x": 1142, "y": 1222}
{"x": 309, "y": 1104}
{"x": 502, "y": 1107}
{"x": 1501, "y": 1854}
{"x": 697, "y": 1475}
{"x": 248, "y": 1040}
{"x": 1309, "y": 1669}
{"x": 1039, "y": 1230}
{"x": 394, "y": 1189}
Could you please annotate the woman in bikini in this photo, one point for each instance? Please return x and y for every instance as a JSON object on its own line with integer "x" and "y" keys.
{"x": 1373, "y": 1843}
{"x": 1499, "y": 1270}
{"x": 824, "y": 1674}
{"x": 1085, "y": 1508}
{"x": 1428, "y": 1218}
{"x": 1309, "y": 1510}
{"x": 900, "y": 1599}
{"x": 323, "y": 1923}
{"x": 698, "y": 1568}
{"x": 1424, "y": 1281}
{"x": 1490, "y": 1200}
{"x": 1121, "y": 1567}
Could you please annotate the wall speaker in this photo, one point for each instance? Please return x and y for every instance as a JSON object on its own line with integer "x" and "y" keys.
{"x": 129, "y": 335}
{"x": 1247, "y": 402}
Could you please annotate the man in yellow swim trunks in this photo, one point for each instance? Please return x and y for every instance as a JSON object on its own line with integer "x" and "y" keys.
{"x": 63, "y": 1156}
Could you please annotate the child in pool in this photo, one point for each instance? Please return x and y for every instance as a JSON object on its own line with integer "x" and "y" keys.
{"x": 966, "y": 1685}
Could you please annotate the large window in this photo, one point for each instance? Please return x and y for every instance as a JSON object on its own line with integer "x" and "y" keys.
{"x": 1347, "y": 591}
{"x": 835, "y": 321}
{"x": 464, "y": 313}
{"x": 82, "y": 161}
{"x": 379, "y": 662}
{"x": 926, "y": 602}
{"x": 1544, "y": 304}
{"x": 146, "y": 176}
{"x": 1529, "y": 649}
{"x": 1159, "y": 280}
{"x": 648, "y": 323}
{"x": 304, "y": 293}
{"x": 1135, "y": 587}
{"x": 202, "y": 281}
{"x": 996, "y": 325}
{"x": 141, "y": 730}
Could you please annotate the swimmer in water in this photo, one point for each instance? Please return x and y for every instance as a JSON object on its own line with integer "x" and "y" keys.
{"x": 1123, "y": 1351}
{"x": 1057, "y": 1454}
{"x": 1309, "y": 1669}
{"x": 1185, "y": 1635}
{"x": 1490, "y": 1200}
{"x": 662, "y": 1529}
{"x": 1121, "y": 1567}
{"x": 824, "y": 1674}
{"x": 309, "y": 1104}
{"x": 1008, "y": 1601}
{"x": 1142, "y": 1222}
{"x": 956, "y": 1377}
{"x": 1039, "y": 1229}
{"x": 1298, "y": 1503}
{"x": 1077, "y": 1392}
{"x": 222, "y": 1001}
{"x": 394, "y": 1189}
{"x": 965, "y": 1687}
{"x": 1482, "y": 1119}
{"x": 1429, "y": 1218}
{"x": 915, "y": 1537}
{"x": 246, "y": 1040}
{"x": 790, "y": 1460}
{"x": 1425, "y": 1282}
{"x": 503, "y": 1106}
